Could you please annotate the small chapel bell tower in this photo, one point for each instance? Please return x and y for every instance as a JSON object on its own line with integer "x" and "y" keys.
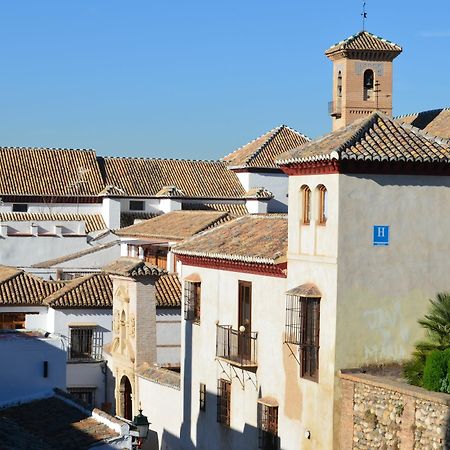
{"x": 362, "y": 77}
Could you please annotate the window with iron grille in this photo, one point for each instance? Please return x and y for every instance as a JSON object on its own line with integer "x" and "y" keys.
{"x": 302, "y": 329}
{"x": 85, "y": 344}
{"x": 202, "y": 397}
{"x": 223, "y": 402}
{"x": 267, "y": 427}
{"x": 192, "y": 297}
{"x": 86, "y": 395}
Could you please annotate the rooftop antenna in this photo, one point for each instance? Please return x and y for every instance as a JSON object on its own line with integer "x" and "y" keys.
{"x": 364, "y": 16}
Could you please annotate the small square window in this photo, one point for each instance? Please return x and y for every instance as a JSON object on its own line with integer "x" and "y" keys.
{"x": 20, "y": 207}
{"x": 137, "y": 205}
{"x": 202, "y": 397}
{"x": 85, "y": 344}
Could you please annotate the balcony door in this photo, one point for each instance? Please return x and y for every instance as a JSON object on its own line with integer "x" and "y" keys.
{"x": 245, "y": 320}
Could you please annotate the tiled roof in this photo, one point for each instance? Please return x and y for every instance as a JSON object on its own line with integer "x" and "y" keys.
{"x": 363, "y": 42}
{"x": 128, "y": 218}
{"x": 262, "y": 151}
{"x": 76, "y": 255}
{"x": 90, "y": 291}
{"x": 306, "y": 290}
{"x": 49, "y": 172}
{"x": 435, "y": 122}
{"x": 21, "y": 288}
{"x": 376, "y": 138}
{"x": 168, "y": 290}
{"x": 253, "y": 238}
{"x": 236, "y": 209}
{"x": 94, "y": 222}
{"x": 259, "y": 193}
{"x": 160, "y": 375}
{"x": 50, "y": 424}
{"x": 132, "y": 267}
{"x": 174, "y": 226}
{"x": 140, "y": 177}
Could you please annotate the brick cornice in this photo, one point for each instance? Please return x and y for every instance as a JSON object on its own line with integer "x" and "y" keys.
{"x": 271, "y": 270}
{"x": 368, "y": 167}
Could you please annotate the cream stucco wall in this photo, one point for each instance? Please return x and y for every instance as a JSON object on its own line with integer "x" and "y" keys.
{"x": 277, "y": 374}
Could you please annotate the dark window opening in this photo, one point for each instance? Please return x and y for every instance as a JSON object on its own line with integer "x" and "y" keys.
{"x": 202, "y": 397}
{"x": 86, "y": 395}
{"x": 19, "y": 207}
{"x": 302, "y": 329}
{"x": 137, "y": 205}
{"x": 268, "y": 427}
{"x": 192, "y": 299}
{"x": 223, "y": 402}
{"x": 368, "y": 84}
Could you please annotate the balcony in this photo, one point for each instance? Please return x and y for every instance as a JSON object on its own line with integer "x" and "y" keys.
{"x": 237, "y": 347}
{"x": 334, "y": 108}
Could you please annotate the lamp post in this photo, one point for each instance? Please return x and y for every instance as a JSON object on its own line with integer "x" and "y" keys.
{"x": 141, "y": 423}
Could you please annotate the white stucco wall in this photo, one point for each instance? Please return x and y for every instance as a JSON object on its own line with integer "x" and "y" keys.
{"x": 277, "y": 183}
{"x": 22, "y": 372}
{"x": 277, "y": 374}
{"x": 57, "y": 208}
{"x": 163, "y": 407}
{"x": 168, "y": 336}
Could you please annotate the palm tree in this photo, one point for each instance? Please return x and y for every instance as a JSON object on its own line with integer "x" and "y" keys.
{"x": 437, "y": 325}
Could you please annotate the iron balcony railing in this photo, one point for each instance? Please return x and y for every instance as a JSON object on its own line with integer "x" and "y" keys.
{"x": 334, "y": 108}
{"x": 238, "y": 347}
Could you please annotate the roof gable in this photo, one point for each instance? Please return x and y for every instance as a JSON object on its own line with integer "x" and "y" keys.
{"x": 374, "y": 139}
{"x": 435, "y": 122}
{"x": 364, "y": 42}
{"x": 18, "y": 287}
{"x": 261, "y": 152}
{"x": 89, "y": 291}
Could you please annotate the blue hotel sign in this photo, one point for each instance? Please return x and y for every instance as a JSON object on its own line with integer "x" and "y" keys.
{"x": 380, "y": 235}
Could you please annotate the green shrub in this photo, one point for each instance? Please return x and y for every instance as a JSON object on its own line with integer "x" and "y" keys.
{"x": 436, "y": 370}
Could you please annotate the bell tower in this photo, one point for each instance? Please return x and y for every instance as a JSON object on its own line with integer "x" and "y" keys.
{"x": 362, "y": 77}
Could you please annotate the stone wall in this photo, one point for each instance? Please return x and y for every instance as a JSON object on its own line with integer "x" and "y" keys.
{"x": 377, "y": 412}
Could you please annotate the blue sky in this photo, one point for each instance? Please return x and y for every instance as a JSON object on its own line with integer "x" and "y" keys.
{"x": 196, "y": 79}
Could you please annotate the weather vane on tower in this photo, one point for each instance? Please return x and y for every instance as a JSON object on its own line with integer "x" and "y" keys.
{"x": 364, "y": 16}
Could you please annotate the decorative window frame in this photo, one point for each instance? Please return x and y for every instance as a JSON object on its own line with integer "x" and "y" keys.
{"x": 192, "y": 300}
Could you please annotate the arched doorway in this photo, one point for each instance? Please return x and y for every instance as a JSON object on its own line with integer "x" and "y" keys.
{"x": 126, "y": 406}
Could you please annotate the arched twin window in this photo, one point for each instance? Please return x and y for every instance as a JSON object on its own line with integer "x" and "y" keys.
{"x": 322, "y": 203}
{"x": 306, "y": 205}
{"x": 368, "y": 84}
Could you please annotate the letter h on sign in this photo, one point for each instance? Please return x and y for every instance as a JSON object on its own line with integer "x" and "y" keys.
{"x": 381, "y": 235}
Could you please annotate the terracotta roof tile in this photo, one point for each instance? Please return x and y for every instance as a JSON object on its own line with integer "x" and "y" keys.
{"x": 376, "y": 138}
{"x": 18, "y": 287}
{"x": 262, "y": 151}
{"x": 140, "y": 177}
{"x": 236, "y": 209}
{"x": 132, "y": 267}
{"x": 94, "y": 222}
{"x": 49, "y": 172}
{"x": 364, "y": 42}
{"x": 50, "y": 423}
{"x": 168, "y": 290}
{"x": 260, "y": 238}
{"x": 89, "y": 291}
{"x": 435, "y": 122}
{"x": 174, "y": 226}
